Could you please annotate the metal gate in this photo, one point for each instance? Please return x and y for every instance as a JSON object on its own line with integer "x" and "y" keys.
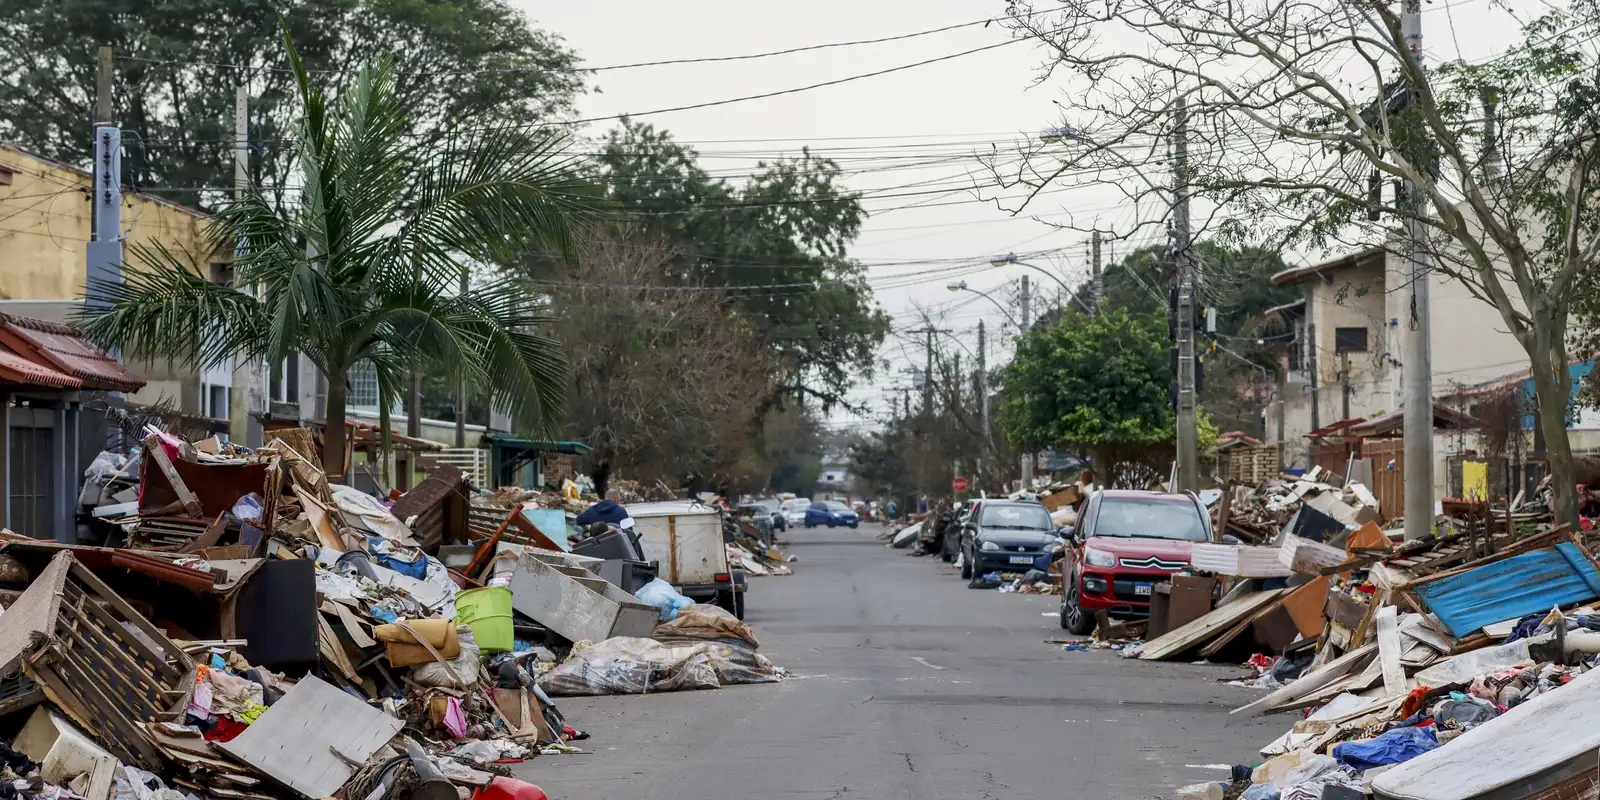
{"x": 32, "y": 470}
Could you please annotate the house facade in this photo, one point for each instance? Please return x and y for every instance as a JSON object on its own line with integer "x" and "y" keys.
{"x": 1343, "y": 356}
{"x": 43, "y": 252}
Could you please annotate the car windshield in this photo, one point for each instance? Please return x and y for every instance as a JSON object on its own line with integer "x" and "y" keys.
{"x": 1149, "y": 518}
{"x": 769, "y": 505}
{"x": 1022, "y": 517}
{"x": 839, "y": 507}
{"x": 819, "y": 506}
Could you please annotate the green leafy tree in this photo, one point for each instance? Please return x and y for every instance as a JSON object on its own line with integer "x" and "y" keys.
{"x": 1097, "y": 385}
{"x": 791, "y": 223}
{"x": 348, "y": 280}
{"x": 178, "y": 63}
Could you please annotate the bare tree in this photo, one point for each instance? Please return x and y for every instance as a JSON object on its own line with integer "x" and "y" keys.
{"x": 668, "y": 379}
{"x": 1303, "y": 114}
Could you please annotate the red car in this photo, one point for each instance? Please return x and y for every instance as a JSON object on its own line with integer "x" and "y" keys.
{"x": 1126, "y": 542}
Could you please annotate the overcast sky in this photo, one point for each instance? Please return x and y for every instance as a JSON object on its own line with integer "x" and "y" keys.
{"x": 910, "y": 136}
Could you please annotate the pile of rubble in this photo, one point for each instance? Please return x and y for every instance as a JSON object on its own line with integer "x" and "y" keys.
{"x": 263, "y": 633}
{"x": 1448, "y": 667}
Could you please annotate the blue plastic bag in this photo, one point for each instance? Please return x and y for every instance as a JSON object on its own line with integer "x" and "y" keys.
{"x": 660, "y": 594}
{"x": 1395, "y": 747}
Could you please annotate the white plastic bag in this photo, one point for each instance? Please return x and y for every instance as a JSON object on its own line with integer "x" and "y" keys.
{"x": 465, "y": 666}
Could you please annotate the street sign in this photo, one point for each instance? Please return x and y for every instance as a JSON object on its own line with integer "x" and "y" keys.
{"x": 959, "y": 484}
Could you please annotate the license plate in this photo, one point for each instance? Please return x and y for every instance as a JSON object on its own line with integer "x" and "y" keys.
{"x": 1029, "y": 560}
{"x": 1141, "y": 588}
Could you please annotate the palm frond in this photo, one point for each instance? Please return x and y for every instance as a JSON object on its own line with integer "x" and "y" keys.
{"x": 163, "y": 310}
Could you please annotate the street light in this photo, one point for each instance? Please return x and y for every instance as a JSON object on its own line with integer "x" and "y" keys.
{"x": 1011, "y": 259}
{"x": 961, "y": 286}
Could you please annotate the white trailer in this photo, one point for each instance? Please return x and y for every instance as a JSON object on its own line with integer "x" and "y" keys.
{"x": 685, "y": 539}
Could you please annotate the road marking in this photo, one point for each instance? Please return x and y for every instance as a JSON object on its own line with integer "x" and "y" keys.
{"x": 1209, "y": 766}
{"x": 924, "y": 662}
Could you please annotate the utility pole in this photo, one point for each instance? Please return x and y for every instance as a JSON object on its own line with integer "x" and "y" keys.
{"x": 103, "y": 258}
{"x": 955, "y": 385}
{"x": 1096, "y": 287}
{"x": 983, "y": 384}
{"x": 247, "y": 399}
{"x": 1027, "y": 323}
{"x": 927, "y": 373}
{"x": 1188, "y": 426}
{"x": 1418, "y": 430}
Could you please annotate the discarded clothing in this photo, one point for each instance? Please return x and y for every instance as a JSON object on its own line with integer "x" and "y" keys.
{"x": 1394, "y": 747}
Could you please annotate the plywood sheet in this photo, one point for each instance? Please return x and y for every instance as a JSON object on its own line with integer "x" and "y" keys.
{"x": 294, "y": 742}
{"x": 1198, "y": 632}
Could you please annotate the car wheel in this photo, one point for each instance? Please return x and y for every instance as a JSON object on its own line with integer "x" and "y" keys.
{"x": 1073, "y": 617}
{"x": 833, "y": 524}
{"x": 854, "y": 525}
{"x": 966, "y": 566}
{"x": 810, "y": 524}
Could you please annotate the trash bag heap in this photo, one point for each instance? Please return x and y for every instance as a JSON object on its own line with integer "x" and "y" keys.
{"x": 253, "y": 630}
{"x": 1455, "y": 666}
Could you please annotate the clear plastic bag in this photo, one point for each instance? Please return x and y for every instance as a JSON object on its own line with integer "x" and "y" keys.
{"x": 628, "y": 665}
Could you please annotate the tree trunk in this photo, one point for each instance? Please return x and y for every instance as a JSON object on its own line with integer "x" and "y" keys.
{"x": 1552, "y": 386}
{"x": 333, "y": 432}
{"x": 385, "y": 440}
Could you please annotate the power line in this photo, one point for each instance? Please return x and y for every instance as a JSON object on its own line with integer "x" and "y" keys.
{"x": 605, "y": 68}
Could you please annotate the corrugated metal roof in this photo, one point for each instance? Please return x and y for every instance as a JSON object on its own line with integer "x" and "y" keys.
{"x": 65, "y": 349}
{"x": 1508, "y": 589}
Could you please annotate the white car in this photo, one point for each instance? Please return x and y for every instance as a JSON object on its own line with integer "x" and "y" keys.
{"x": 795, "y": 510}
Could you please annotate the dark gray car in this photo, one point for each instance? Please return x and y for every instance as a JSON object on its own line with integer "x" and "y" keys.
{"x": 1005, "y": 536}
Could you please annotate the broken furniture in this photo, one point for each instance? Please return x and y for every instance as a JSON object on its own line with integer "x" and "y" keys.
{"x": 550, "y": 588}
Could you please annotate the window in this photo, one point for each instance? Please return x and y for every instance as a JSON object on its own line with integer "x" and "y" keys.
{"x": 1150, "y": 518}
{"x": 363, "y": 387}
{"x": 221, "y": 273}
{"x": 1021, "y": 517}
{"x": 286, "y": 380}
{"x": 1349, "y": 340}
{"x": 214, "y": 401}
{"x": 5, "y": 175}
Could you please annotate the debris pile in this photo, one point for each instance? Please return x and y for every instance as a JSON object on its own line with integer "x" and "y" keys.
{"x": 264, "y": 632}
{"x": 1448, "y": 667}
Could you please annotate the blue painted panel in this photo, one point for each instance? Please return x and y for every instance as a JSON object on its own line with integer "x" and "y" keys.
{"x": 1507, "y": 589}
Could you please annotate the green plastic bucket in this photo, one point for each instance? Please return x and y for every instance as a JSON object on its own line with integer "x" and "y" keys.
{"x": 488, "y": 612}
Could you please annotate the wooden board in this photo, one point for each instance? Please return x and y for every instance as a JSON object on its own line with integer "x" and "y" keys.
{"x": 1305, "y": 604}
{"x": 1394, "y": 674}
{"x": 295, "y": 742}
{"x": 1198, "y": 632}
{"x": 1307, "y": 683}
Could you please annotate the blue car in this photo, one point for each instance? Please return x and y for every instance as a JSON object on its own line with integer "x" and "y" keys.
{"x": 830, "y": 514}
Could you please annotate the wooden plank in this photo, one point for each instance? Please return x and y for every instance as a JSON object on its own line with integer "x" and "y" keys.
{"x": 1306, "y": 684}
{"x": 191, "y": 504}
{"x": 1389, "y": 655}
{"x": 308, "y": 739}
{"x": 1177, "y": 642}
{"x": 332, "y": 651}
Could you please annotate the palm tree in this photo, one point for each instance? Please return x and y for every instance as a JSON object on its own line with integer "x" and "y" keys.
{"x": 365, "y": 271}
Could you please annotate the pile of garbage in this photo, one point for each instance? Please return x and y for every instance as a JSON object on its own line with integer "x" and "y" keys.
{"x": 1445, "y": 667}
{"x": 262, "y": 632}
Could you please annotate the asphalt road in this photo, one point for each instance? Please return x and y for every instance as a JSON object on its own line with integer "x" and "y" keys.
{"x": 906, "y": 684}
